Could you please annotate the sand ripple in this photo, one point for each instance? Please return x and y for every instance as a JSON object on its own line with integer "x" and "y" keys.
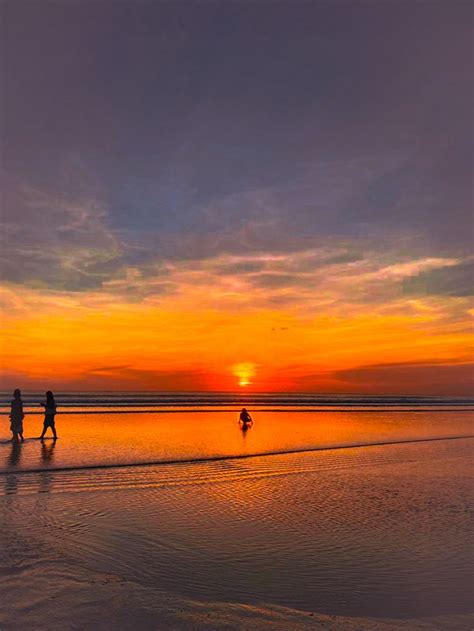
{"x": 360, "y": 532}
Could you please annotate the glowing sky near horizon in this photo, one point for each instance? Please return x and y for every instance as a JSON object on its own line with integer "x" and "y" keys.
{"x": 214, "y": 196}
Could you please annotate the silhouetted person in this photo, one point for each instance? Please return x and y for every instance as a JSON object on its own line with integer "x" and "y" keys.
{"x": 16, "y": 417}
{"x": 245, "y": 419}
{"x": 49, "y": 414}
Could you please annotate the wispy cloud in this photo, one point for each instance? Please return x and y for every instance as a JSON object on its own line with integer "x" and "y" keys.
{"x": 54, "y": 241}
{"x": 453, "y": 280}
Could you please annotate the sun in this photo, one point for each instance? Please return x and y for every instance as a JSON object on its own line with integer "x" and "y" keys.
{"x": 244, "y": 372}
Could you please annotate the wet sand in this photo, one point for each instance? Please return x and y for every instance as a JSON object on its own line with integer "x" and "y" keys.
{"x": 360, "y": 538}
{"x": 55, "y": 596}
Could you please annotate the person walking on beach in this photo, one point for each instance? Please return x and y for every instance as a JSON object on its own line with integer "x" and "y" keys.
{"x": 16, "y": 417}
{"x": 49, "y": 414}
{"x": 245, "y": 419}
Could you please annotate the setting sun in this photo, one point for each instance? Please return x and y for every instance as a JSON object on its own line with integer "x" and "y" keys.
{"x": 244, "y": 371}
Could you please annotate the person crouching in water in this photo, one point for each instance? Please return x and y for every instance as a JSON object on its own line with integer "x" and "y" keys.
{"x": 16, "y": 417}
{"x": 245, "y": 419}
{"x": 49, "y": 414}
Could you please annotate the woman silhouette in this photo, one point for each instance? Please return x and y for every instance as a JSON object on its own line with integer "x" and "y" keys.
{"x": 49, "y": 414}
{"x": 16, "y": 417}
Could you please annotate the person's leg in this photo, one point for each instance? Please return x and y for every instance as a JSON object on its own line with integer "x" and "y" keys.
{"x": 22, "y": 437}
{"x": 53, "y": 427}
{"x": 43, "y": 432}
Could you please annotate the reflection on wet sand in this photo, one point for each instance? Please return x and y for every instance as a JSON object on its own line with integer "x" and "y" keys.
{"x": 15, "y": 454}
{"x": 47, "y": 454}
{"x": 47, "y": 451}
{"x": 14, "y": 465}
{"x": 13, "y": 461}
{"x": 114, "y": 439}
{"x": 392, "y": 520}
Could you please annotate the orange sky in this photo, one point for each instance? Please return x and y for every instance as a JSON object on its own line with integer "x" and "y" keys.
{"x": 218, "y": 333}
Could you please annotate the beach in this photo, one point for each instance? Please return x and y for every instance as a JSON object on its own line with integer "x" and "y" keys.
{"x": 325, "y": 519}
{"x": 236, "y": 374}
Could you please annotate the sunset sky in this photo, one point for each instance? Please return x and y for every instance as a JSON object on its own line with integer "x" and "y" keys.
{"x": 246, "y": 195}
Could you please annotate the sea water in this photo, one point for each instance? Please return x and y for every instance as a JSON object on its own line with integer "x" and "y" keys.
{"x": 107, "y": 429}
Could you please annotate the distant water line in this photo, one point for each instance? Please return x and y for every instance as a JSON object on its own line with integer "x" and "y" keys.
{"x": 176, "y": 410}
{"x": 201, "y": 399}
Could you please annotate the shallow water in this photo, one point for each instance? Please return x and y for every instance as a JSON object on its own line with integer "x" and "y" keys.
{"x": 371, "y": 531}
{"x": 114, "y": 438}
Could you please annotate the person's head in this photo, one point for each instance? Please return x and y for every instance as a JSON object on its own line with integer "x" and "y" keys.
{"x": 17, "y": 393}
{"x": 49, "y": 396}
